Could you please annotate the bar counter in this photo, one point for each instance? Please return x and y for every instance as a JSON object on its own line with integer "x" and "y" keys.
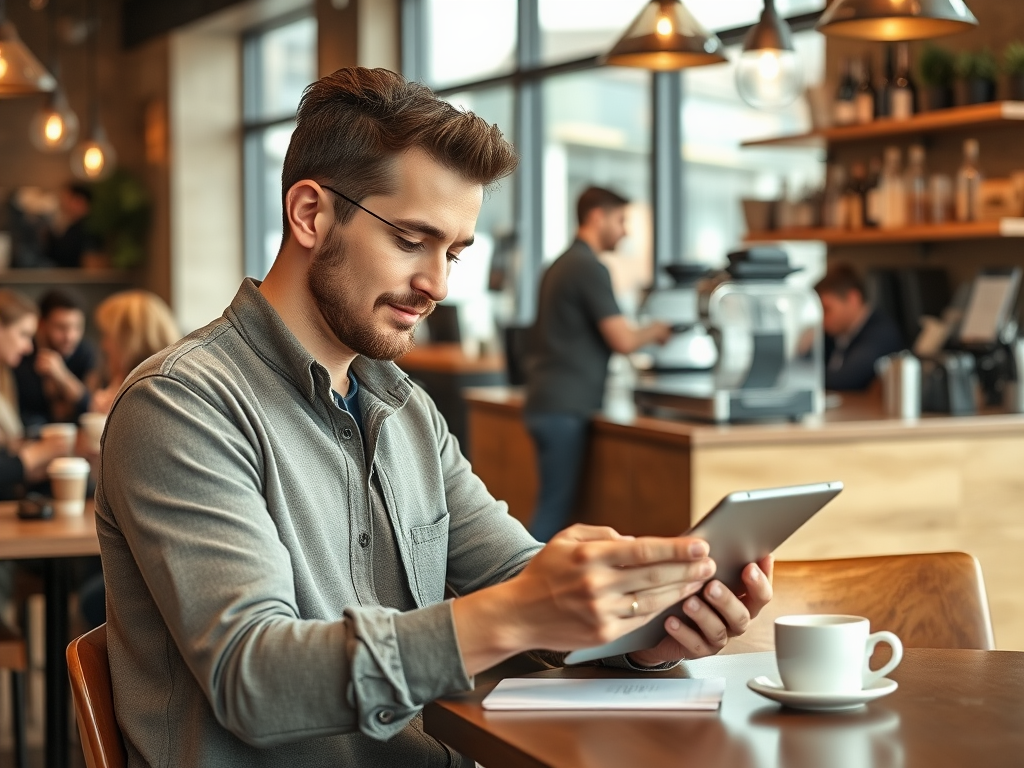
{"x": 936, "y": 484}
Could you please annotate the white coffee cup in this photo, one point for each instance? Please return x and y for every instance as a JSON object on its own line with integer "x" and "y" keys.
{"x": 69, "y": 476}
{"x": 92, "y": 428}
{"x": 828, "y": 653}
{"x": 64, "y": 433}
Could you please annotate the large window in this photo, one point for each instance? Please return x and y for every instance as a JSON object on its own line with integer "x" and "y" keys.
{"x": 671, "y": 143}
{"x": 279, "y": 61}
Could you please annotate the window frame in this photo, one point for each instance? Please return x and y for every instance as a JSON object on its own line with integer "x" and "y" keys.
{"x": 254, "y": 128}
{"x": 667, "y": 165}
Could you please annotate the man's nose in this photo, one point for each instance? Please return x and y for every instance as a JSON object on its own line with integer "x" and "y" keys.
{"x": 432, "y": 277}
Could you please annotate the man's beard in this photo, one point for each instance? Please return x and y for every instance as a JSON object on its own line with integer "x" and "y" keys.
{"x": 333, "y": 296}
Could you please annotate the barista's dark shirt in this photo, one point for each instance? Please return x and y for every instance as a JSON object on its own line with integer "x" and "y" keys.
{"x": 35, "y": 408}
{"x": 567, "y": 362}
{"x": 67, "y": 248}
{"x": 852, "y": 367}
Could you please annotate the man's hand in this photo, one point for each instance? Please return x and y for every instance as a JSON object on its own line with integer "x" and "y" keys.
{"x": 50, "y": 365}
{"x": 588, "y": 586}
{"x": 719, "y": 616}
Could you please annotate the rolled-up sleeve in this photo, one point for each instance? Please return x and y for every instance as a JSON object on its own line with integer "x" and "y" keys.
{"x": 181, "y": 482}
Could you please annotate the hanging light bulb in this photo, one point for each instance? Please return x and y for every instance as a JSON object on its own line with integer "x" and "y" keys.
{"x": 54, "y": 128}
{"x": 21, "y": 73}
{"x": 94, "y": 158}
{"x": 768, "y": 72}
{"x": 666, "y": 36}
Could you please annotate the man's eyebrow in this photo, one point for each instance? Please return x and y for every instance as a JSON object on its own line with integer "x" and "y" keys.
{"x": 415, "y": 225}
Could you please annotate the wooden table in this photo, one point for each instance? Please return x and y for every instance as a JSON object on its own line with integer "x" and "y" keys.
{"x": 952, "y": 708}
{"x": 53, "y": 541}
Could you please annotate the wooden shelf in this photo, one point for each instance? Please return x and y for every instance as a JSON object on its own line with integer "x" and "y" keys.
{"x": 30, "y": 276}
{"x": 937, "y": 121}
{"x": 928, "y": 233}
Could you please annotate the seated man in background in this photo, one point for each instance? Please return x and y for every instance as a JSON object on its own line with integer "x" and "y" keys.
{"x": 71, "y": 241}
{"x": 281, "y": 510}
{"x": 52, "y": 380}
{"x": 856, "y": 335}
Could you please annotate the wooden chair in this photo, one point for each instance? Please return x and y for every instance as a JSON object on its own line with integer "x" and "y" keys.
{"x": 14, "y": 657}
{"x": 929, "y": 600}
{"x": 94, "y": 701}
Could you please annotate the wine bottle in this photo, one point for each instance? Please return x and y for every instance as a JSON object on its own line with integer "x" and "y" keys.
{"x": 903, "y": 92}
{"x": 844, "y": 107}
{"x": 865, "y": 97}
{"x": 882, "y": 94}
{"x": 968, "y": 183}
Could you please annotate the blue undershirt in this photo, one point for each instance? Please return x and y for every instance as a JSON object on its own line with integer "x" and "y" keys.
{"x": 350, "y": 402}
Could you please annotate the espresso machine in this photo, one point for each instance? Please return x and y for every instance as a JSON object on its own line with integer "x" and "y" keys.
{"x": 691, "y": 347}
{"x": 769, "y": 360}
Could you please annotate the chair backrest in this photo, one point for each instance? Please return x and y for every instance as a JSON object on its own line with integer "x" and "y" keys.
{"x": 94, "y": 701}
{"x": 929, "y": 600}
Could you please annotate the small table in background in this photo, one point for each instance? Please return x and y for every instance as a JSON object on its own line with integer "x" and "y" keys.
{"x": 952, "y": 709}
{"x": 54, "y": 542}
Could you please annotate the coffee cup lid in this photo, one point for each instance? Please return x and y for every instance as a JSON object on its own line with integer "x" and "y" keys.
{"x": 68, "y": 465}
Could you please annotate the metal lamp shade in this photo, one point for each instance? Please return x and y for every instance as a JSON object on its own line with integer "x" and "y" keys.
{"x": 21, "y": 73}
{"x": 665, "y": 36}
{"x": 890, "y": 20}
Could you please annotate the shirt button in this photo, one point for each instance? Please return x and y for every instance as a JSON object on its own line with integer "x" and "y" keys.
{"x": 364, "y": 540}
{"x": 346, "y": 433}
{"x": 385, "y": 716}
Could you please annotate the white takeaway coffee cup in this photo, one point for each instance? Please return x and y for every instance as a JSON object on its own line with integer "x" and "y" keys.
{"x": 69, "y": 476}
{"x": 92, "y": 425}
{"x": 62, "y": 434}
{"x": 829, "y": 653}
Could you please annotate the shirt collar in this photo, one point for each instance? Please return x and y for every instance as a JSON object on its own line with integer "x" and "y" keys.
{"x": 264, "y": 330}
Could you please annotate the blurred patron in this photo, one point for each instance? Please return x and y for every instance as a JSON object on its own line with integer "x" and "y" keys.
{"x": 71, "y": 243}
{"x": 21, "y": 461}
{"x": 53, "y": 379}
{"x": 133, "y": 325}
{"x": 856, "y": 335}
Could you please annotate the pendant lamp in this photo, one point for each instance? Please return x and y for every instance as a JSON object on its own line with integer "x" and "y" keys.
{"x": 665, "y": 36}
{"x": 93, "y": 159}
{"x": 54, "y": 128}
{"x": 768, "y": 72}
{"x": 21, "y": 73}
{"x": 891, "y": 20}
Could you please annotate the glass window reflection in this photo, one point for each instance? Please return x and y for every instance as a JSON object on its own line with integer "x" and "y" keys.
{"x": 283, "y": 61}
{"x": 469, "y": 40}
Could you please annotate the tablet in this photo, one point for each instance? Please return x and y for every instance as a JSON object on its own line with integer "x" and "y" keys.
{"x": 743, "y": 527}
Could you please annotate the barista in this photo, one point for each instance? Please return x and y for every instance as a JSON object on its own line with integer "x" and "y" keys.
{"x": 856, "y": 335}
{"x": 579, "y": 324}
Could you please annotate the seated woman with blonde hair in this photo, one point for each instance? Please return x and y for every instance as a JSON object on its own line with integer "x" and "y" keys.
{"x": 21, "y": 461}
{"x": 133, "y": 325}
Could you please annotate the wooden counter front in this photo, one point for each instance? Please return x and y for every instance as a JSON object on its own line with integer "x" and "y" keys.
{"x": 936, "y": 484}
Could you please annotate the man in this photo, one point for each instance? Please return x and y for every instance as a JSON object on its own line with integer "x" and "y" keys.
{"x": 578, "y": 326}
{"x": 280, "y": 509}
{"x": 856, "y": 335}
{"x": 52, "y": 381}
{"x": 72, "y": 242}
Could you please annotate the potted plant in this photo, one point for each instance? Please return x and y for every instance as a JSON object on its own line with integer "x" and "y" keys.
{"x": 120, "y": 215}
{"x": 937, "y": 71}
{"x": 1013, "y": 63}
{"x": 978, "y": 71}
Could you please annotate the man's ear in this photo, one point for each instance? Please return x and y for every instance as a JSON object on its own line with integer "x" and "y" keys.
{"x": 309, "y": 213}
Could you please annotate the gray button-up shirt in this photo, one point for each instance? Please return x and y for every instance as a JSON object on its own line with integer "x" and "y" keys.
{"x": 236, "y": 516}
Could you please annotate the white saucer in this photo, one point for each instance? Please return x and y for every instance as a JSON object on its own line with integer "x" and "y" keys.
{"x": 824, "y": 702}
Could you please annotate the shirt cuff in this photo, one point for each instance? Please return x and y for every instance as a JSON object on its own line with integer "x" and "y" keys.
{"x": 429, "y": 650}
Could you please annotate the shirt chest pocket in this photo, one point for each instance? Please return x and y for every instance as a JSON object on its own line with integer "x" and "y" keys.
{"x": 430, "y": 559}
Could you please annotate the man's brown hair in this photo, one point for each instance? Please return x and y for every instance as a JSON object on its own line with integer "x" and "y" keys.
{"x": 840, "y": 280}
{"x": 597, "y": 197}
{"x": 352, "y": 124}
